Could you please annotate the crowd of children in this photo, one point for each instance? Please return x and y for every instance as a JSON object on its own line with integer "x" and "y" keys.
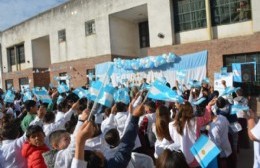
{"x": 146, "y": 133}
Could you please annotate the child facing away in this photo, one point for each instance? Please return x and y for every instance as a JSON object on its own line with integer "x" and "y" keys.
{"x": 34, "y": 147}
{"x": 59, "y": 140}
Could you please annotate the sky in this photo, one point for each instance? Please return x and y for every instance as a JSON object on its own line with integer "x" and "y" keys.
{"x": 13, "y": 12}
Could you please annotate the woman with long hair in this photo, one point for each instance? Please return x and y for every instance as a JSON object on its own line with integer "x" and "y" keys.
{"x": 161, "y": 130}
{"x": 185, "y": 129}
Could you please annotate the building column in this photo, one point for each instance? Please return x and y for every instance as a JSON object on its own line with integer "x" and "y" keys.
{"x": 208, "y": 18}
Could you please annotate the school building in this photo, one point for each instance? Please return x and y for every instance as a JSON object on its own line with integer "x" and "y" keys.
{"x": 71, "y": 38}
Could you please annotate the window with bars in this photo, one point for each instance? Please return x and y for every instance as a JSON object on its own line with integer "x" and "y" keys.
{"x": 90, "y": 27}
{"x": 20, "y": 53}
{"x": 62, "y": 35}
{"x": 144, "y": 34}
{"x": 23, "y": 81}
{"x": 251, "y": 87}
{"x": 189, "y": 14}
{"x": 11, "y": 56}
{"x": 229, "y": 11}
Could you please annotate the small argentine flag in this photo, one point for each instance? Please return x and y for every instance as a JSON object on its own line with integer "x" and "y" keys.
{"x": 204, "y": 150}
{"x": 9, "y": 97}
{"x": 81, "y": 92}
{"x": 94, "y": 89}
{"x": 106, "y": 96}
{"x": 42, "y": 95}
{"x": 27, "y": 96}
{"x": 229, "y": 90}
{"x": 62, "y": 88}
{"x": 121, "y": 95}
{"x": 238, "y": 108}
{"x": 160, "y": 91}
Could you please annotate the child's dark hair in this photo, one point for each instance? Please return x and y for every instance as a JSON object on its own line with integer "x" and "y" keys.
{"x": 221, "y": 102}
{"x": 93, "y": 160}
{"x": 28, "y": 104}
{"x": 112, "y": 138}
{"x": 151, "y": 105}
{"x": 121, "y": 107}
{"x": 10, "y": 130}
{"x": 32, "y": 129}
{"x": 44, "y": 105}
{"x": 169, "y": 159}
{"x": 49, "y": 117}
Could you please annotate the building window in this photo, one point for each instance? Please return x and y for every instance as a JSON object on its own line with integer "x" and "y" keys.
{"x": 144, "y": 34}
{"x": 24, "y": 83}
{"x": 189, "y": 14}
{"x": 20, "y": 54}
{"x": 63, "y": 77}
{"x": 11, "y": 56}
{"x": 250, "y": 71}
{"x": 62, "y": 35}
{"x": 90, "y": 27}
{"x": 229, "y": 11}
{"x": 8, "y": 84}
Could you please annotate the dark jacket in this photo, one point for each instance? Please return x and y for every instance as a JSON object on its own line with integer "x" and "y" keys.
{"x": 123, "y": 153}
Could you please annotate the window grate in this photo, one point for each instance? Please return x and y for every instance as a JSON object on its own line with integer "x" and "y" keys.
{"x": 62, "y": 35}
{"x": 229, "y": 11}
{"x": 189, "y": 14}
{"x": 90, "y": 27}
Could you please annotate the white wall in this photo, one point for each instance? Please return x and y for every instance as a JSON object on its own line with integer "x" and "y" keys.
{"x": 159, "y": 14}
{"x": 255, "y": 4}
{"x": 233, "y": 30}
{"x": 124, "y": 37}
{"x": 41, "y": 52}
{"x": 192, "y": 36}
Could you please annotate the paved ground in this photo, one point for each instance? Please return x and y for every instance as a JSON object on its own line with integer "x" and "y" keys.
{"x": 246, "y": 157}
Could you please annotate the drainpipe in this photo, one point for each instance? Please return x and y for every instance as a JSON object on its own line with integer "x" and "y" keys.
{"x": 208, "y": 18}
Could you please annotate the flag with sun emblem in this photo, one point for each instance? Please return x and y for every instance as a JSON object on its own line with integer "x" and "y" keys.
{"x": 205, "y": 151}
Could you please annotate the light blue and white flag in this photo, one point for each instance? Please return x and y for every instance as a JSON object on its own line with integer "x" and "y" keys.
{"x": 160, "y": 91}
{"x": 27, "y": 96}
{"x": 199, "y": 101}
{"x": 238, "y": 108}
{"x": 105, "y": 96}
{"x": 204, "y": 150}
{"x": 60, "y": 99}
{"x": 42, "y": 95}
{"x": 9, "y": 97}
{"x": 62, "y": 88}
{"x": 229, "y": 90}
{"x": 121, "y": 95}
{"x": 81, "y": 92}
{"x": 95, "y": 89}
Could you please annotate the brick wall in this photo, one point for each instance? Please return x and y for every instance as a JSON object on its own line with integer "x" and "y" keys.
{"x": 39, "y": 78}
{"x": 76, "y": 69}
{"x": 216, "y": 49}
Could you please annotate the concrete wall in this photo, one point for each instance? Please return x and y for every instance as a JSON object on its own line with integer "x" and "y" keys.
{"x": 41, "y": 52}
{"x": 233, "y": 30}
{"x": 124, "y": 37}
{"x": 192, "y": 36}
{"x": 256, "y": 15}
{"x": 160, "y": 21}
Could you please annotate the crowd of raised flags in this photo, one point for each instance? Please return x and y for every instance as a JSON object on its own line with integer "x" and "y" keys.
{"x": 204, "y": 150}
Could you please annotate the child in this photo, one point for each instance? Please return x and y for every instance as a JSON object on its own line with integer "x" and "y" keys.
{"x": 11, "y": 145}
{"x": 31, "y": 108}
{"x": 59, "y": 140}
{"x": 34, "y": 147}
